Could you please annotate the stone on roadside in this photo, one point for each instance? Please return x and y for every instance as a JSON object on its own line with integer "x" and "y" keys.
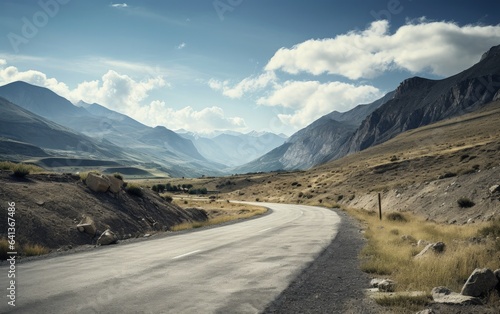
{"x": 446, "y": 296}
{"x": 97, "y": 182}
{"x": 387, "y": 285}
{"x": 437, "y": 247}
{"x": 107, "y": 237}
{"x": 375, "y": 281}
{"x": 87, "y": 225}
{"x": 494, "y": 188}
{"x": 115, "y": 184}
{"x": 480, "y": 282}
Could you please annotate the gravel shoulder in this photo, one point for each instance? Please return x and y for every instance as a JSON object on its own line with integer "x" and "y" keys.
{"x": 333, "y": 283}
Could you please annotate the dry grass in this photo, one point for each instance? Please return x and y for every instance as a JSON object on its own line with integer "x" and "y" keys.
{"x": 388, "y": 254}
{"x": 218, "y": 211}
{"x": 34, "y": 250}
{"x": 20, "y": 169}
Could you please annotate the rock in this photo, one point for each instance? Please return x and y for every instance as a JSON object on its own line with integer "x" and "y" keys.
{"x": 437, "y": 247}
{"x": 97, "y": 182}
{"x": 87, "y": 225}
{"x": 386, "y": 285}
{"x": 497, "y": 274}
{"x": 375, "y": 281}
{"x": 480, "y": 282}
{"x": 107, "y": 237}
{"x": 446, "y": 296}
{"x": 115, "y": 184}
{"x": 422, "y": 243}
{"x": 147, "y": 235}
{"x": 494, "y": 188}
{"x": 427, "y": 311}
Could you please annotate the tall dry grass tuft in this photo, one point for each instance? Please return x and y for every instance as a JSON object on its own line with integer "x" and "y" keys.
{"x": 390, "y": 253}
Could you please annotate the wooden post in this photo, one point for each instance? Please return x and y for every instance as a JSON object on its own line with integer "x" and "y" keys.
{"x": 379, "y": 207}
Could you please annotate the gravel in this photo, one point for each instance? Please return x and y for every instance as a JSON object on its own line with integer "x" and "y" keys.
{"x": 333, "y": 283}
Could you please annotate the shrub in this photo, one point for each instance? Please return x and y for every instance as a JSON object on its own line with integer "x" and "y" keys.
{"x": 168, "y": 198}
{"x": 118, "y": 175}
{"x": 396, "y": 217}
{"x": 464, "y": 202}
{"x": 493, "y": 229}
{"x": 4, "y": 248}
{"x": 135, "y": 190}
{"x": 21, "y": 170}
{"x": 34, "y": 250}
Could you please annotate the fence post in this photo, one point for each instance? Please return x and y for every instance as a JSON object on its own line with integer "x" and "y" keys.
{"x": 379, "y": 207}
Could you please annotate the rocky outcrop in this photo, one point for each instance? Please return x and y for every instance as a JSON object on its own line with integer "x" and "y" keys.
{"x": 480, "y": 283}
{"x": 446, "y": 296}
{"x": 437, "y": 247}
{"x": 107, "y": 237}
{"x": 420, "y": 102}
{"x": 97, "y": 182}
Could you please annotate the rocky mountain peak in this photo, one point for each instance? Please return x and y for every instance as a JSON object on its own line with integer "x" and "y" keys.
{"x": 495, "y": 50}
{"x": 410, "y": 85}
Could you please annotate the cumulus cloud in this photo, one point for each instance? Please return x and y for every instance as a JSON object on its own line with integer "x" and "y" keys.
{"x": 310, "y": 100}
{"x": 119, "y": 5}
{"x": 249, "y": 84}
{"x": 202, "y": 121}
{"x": 443, "y": 48}
{"x": 124, "y": 94}
{"x": 181, "y": 46}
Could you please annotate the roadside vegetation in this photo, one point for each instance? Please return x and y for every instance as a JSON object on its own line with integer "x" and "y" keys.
{"x": 218, "y": 212}
{"x": 393, "y": 244}
{"x": 22, "y": 250}
{"x": 20, "y": 169}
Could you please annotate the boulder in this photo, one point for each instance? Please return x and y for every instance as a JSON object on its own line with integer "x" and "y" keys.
{"x": 437, "y": 247}
{"x": 97, "y": 182}
{"x": 87, "y": 225}
{"x": 446, "y": 296}
{"x": 386, "y": 285}
{"x": 115, "y": 184}
{"x": 107, "y": 237}
{"x": 494, "y": 188}
{"x": 480, "y": 282}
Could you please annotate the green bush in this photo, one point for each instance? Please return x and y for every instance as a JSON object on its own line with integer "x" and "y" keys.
{"x": 168, "y": 198}
{"x": 118, "y": 175}
{"x": 464, "y": 202}
{"x": 135, "y": 190}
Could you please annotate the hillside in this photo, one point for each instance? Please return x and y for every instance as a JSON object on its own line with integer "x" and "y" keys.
{"x": 96, "y": 132}
{"x": 416, "y": 102}
{"x": 50, "y": 206}
{"x": 424, "y": 171}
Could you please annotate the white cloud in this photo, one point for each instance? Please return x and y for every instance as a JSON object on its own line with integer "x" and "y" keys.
{"x": 444, "y": 48}
{"x": 202, "y": 121}
{"x": 310, "y": 100}
{"x": 3, "y": 62}
{"x": 124, "y": 94}
{"x": 119, "y": 5}
{"x": 249, "y": 84}
{"x": 181, "y": 45}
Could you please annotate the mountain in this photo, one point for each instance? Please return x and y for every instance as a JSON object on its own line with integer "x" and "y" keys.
{"x": 419, "y": 101}
{"x": 233, "y": 148}
{"x": 317, "y": 143}
{"x": 139, "y": 144}
{"x": 24, "y": 131}
{"x": 416, "y": 102}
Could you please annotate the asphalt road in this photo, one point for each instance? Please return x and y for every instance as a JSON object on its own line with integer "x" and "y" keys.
{"x": 237, "y": 268}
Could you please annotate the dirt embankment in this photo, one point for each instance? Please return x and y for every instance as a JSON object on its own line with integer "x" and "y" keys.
{"x": 49, "y": 207}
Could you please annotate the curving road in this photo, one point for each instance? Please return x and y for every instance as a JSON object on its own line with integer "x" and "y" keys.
{"x": 237, "y": 268}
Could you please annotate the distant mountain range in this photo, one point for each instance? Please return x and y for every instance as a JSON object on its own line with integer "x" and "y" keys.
{"x": 416, "y": 102}
{"x": 234, "y": 148}
{"x": 36, "y": 122}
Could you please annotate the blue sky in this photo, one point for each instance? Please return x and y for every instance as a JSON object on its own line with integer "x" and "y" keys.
{"x": 265, "y": 65}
